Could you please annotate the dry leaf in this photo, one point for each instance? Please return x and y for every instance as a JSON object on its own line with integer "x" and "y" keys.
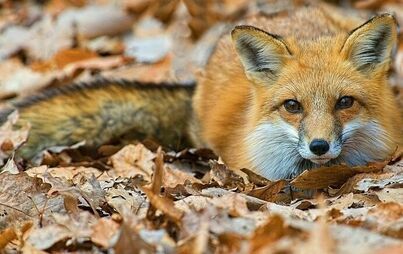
{"x": 391, "y": 195}
{"x": 156, "y": 73}
{"x": 225, "y": 177}
{"x": 255, "y": 178}
{"x": 63, "y": 58}
{"x": 106, "y": 45}
{"x": 74, "y": 174}
{"x": 25, "y": 200}
{"x": 148, "y": 49}
{"x": 103, "y": 232}
{"x": 45, "y": 238}
{"x": 73, "y": 228}
{"x": 165, "y": 205}
{"x": 268, "y": 192}
{"x": 351, "y": 183}
{"x": 158, "y": 173}
{"x": 335, "y": 175}
{"x": 395, "y": 168}
{"x": 96, "y": 20}
{"x": 133, "y": 160}
{"x": 320, "y": 240}
{"x": 9, "y": 133}
{"x": 197, "y": 244}
{"x": 130, "y": 242}
{"x": 268, "y": 233}
{"x": 10, "y": 167}
{"x": 7, "y": 236}
{"x": 234, "y": 203}
{"x": 367, "y": 183}
{"x": 231, "y": 243}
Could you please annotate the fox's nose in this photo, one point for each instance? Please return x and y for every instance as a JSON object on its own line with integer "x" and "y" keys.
{"x": 319, "y": 146}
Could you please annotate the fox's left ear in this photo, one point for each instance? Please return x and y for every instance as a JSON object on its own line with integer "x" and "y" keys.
{"x": 370, "y": 45}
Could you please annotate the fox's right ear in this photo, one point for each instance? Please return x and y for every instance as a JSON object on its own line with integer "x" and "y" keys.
{"x": 262, "y": 54}
{"x": 370, "y": 45}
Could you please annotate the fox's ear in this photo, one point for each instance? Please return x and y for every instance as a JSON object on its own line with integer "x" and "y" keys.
{"x": 262, "y": 55}
{"x": 370, "y": 45}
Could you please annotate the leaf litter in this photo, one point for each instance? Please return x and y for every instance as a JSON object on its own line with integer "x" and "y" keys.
{"x": 135, "y": 198}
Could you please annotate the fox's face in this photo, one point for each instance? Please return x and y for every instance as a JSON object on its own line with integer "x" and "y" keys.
{"x": 317, "y": 102}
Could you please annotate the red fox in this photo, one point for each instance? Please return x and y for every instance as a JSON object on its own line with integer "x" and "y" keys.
{"x": 280, "y": 94}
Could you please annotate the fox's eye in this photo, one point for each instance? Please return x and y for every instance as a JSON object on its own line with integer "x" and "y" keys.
{"x": 345, "y": 102}
{"x": 293, "y": 106}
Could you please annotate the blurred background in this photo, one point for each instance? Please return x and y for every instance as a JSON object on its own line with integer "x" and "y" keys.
{"x": 47, "y": 43}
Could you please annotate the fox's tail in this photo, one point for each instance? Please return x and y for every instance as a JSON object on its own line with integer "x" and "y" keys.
{"x": 103, "y": 110}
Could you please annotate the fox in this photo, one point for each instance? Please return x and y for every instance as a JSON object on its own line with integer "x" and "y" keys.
{"x": 280, "y": 94}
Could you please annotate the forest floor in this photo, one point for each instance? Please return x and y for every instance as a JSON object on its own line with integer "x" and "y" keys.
{"x": 138, "y": 198}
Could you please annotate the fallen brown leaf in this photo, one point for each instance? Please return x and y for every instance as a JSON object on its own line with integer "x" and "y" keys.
{"x": 226, "y": 177}
{"x": 320, "y": 240}
{"x": 174, "y": 177}
{"x": 198, "y": 243}
{"x": 26, "y": 200}
{"x": 234, "y": 203}
{"x": 133, "y": 160}
{"x": 127, "y": 201}
{"x": 74, "y": 228}
{"x": 73, "y": 174}
{"x": 165, "y": 205}
{"x": 268, "y": 192}
{"x": 331, "y": 176}
{"x": 7, "y": 236}
{"x": 103, "y": 231}
{"x": 268, "y": 233}
{"x": 157, "y": 73}
{"x": 351, "y": 183}
{"x": 366, "y": 184}
{"x": 158, "y": 175}
{"x": 230, "y": 242}
{"x": 255, "y": 178}
{"x": 371, "y": 4}
{"x": 57, "y": 6}
{"x": 63, "y": 58}
{"x": 391, "y": 195}
{"x": 130, "y": 242}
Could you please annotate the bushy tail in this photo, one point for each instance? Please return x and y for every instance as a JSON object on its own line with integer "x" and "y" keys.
{"x": 102, "y": 110}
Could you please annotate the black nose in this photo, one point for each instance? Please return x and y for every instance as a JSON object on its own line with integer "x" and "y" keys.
{"x": 319, "y": 146}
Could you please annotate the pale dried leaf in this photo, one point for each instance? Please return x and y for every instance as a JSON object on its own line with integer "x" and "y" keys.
{"x": 10, "y": 167}
{"x": 367, "y": 183}
{"x": 129, "y": 242}
{"x": 133, "y": 160}
{"x": 174, "y": 177}
{"x": 44, "y": 238}
{"x": 103, "y": 231}
{"x": 391, "y": 195}
{"x": 127, "y": 201}
{"x": 11, "y": 135}
{"x": 25, "y": 200}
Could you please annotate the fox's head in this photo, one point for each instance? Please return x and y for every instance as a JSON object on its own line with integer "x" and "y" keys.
{"x": 321, "y": 101}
